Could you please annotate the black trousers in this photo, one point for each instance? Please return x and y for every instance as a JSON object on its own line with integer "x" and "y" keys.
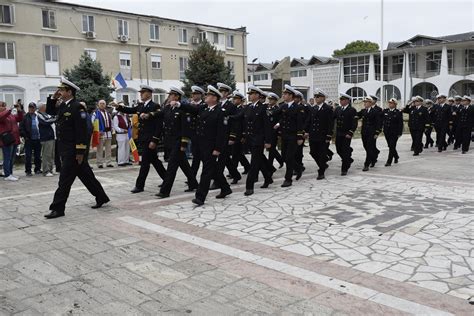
{"x": 429, "y": 140}
{"x": 149, "y": 156}
{"x": 319, "y": 151}
{"x": 417, "y": 140}
{"x": 196, "y": 159}
{"x": 57, "y": 157}
{"x": 70, "y": 169}
{"x": 464, "y": 137}
{"x": 235, "y": 155}
{"x": 441, "y": 137}
{"x": 344, "y": 150}
{"x": 299, "y": 156}
{"x": 273, "y": 153}
{"x": 392, "y": 147}
{"x": 32, "y": 148}
{"x": 177, "y": 159}
{"x": 370, "y": 145}
{"x": 289, "y": 147}
{"x": 258, "y": 162}
{"x": 209, "y": 172}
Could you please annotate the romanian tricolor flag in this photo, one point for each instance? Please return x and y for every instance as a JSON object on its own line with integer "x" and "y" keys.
{"x": 95, "y": 133}
{"x": 133, "y": 147}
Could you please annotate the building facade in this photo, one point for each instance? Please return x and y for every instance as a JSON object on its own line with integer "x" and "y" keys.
{"x": 305, "y": 75}
{"x": 422, "y": 65}
{"x": 39, "y": 40}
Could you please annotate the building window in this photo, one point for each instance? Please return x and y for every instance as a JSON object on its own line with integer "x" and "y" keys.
{"x": 51, "y": 60}
{"x": 412, "y": 63}
{"x": 183, "y": 36}
{"x": 469, "y": 60}
{"x": 397, "y": 64}
{"x": 377, "y": 68}
{"x": 6, "y": 14}
{"x": 202, "y": 36}
{"x": 356, "y": 93}
{"x": 10, "y": 95}
{"x": 298, "y": 73}
{"x": 183, "y": 65}
{"x": 126, "y": 64}
{"x": 154, "y": 32}
{"x": 7, "y": 58}
{"x": 231, "y": 66}
{"x": 7, "y": 50}
{"x": 92, "y": 53}
{"x": 356, "y": 69}
{"x": 450, "y": 59}
{"x": 230, "y": 41}
{"x": 259, "y": 77}
{"x": 156, "y": 72}
{"x": 122, "y": 28}
{"x": 49, "y": 19}
{"x": 433, "y": 61}
{"x": 88, "y": 24}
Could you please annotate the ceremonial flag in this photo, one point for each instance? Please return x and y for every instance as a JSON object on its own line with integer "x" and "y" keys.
{"x": 95, "y": 132}
{"x": 133, "y": 147}
{"x": 120, "y": 80}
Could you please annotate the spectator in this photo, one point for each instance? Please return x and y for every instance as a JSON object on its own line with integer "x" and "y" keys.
{"x": 29, "y": 129}
{"x": 105, "y": 132}
{"x": 9, "y": 138}
{"x": 46, "y": 131}
{"x": 121, "y": 124}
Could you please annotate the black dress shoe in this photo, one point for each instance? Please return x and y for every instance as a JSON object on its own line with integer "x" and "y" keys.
{"x": 366, "y": 168}
{"x": 198, "y": 202}
{"x": 396, "y": 160}
{"x": 110, "y": 166}
{"x": 320, "y": 177}
{"x": 248, "y": 192}
{"x": 416, "y": 154}
{"x": 136, "y": 190}
{"x": 223, "y": 194}
{"x": 229, "y": 176}
{"x": 464, "y": 152}
{"x": 100, "y": 167}
{"x": 286, "y": 184}
{"x": 266, "y": 183}
{"x": 440, "y": 150}
{"x": 280, "y": 166}
{"x": 54, "y": 214}
{"x": 388, "y": 164}
{"x": 213, "y": 186}
{"x": 344, "y": 173}
{"x": 298, "y": 175}
{"x": 235, "y": 181}
{"x": 190, "y": 189}
{"x": 160, "y": 185}
{"x": 162, "y": 195}
{"x": 245, "y": 172}
{"x": 373, "y": 164}
{"x": 99, "y": 204}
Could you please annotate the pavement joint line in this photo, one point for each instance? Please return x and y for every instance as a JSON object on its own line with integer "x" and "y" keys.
{"x": 418, "y": 179}
{"x": 282, "y": 267}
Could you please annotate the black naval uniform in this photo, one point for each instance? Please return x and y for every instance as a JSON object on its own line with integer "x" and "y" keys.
{"x": 175, "y": 124}
{"x": 257, "y": 132}
{"x": 442, "y": 114}
{"x": 273, "y": 152}
{"x": 191, "y": 120}
{"x": 319, "y": 125}
{"x": 371, "y": 128}
{"x": 429, "y": 129}
{"x": 73, "y": 139}
{"x": 292, "y": 118}
{"x": 300, "y": 149}
{"x": 392, "y": 129}
{"x": 237, "y": 153}
{"x": 465, "y": 126}
{"x": 418, "y": 120}
{"x": 455, "y": 108}
{"x": 146, "y": 130}
{"x": 346, "y": 125}
{"x": 211, "y": 134}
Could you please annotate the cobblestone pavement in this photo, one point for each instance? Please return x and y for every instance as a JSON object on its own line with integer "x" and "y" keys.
{"x": 395, "y": 240}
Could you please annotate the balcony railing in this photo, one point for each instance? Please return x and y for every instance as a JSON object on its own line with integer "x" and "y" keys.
{"x": 388, "y": 77}
{"x": 462, "y": 71}
{"x": 424, "y": 74}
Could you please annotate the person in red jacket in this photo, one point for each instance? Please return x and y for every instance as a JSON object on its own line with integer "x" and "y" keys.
{"x": 9, "y": 138}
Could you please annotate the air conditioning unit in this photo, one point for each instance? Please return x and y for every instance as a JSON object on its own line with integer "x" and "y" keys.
{"x": 123, "y": 38}
{"x": 195, "y": 40}
{"x": 90, "y": 34}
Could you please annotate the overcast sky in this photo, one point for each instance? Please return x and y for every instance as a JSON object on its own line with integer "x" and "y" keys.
{"x": 305, "y": 28}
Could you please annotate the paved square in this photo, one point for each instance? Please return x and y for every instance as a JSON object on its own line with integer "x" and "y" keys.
{"x": 394, "y": 240}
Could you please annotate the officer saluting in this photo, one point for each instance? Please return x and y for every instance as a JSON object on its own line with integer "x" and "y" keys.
{"x": 392, "y": 129}
{"x": 418, "y": 120}
{"x": 197, "y": 94}
{"x": 73, "y": 141}
{"x": 211, "y": 139}
{"x": 346, "y": 124}
{"x": 147, "y": 128}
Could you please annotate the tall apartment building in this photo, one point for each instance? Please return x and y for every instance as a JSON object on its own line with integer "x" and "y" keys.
{"x": 39, "y": 40}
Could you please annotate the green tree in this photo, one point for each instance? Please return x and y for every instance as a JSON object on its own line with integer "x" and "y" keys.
{"x": 88, "y": 76}
{"x": 206, "y": 66}
{"x": 356, "y": 47}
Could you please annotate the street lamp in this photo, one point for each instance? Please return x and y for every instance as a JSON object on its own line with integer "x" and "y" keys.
{"x": 146, "y": 59}
{"x": 253, "y": 70}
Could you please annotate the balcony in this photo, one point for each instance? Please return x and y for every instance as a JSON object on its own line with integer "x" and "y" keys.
{"x": 388, "y": 77}
{"x": 424, "y": 74}
{"x": 462, "y": 71}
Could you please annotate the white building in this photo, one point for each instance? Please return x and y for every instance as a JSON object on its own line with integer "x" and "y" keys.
{"x": 422, "y": 65}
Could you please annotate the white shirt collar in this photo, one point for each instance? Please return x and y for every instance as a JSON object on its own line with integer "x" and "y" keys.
{"x": 290, "y": 103}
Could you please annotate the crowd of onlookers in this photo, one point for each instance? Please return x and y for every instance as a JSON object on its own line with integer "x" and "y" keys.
{"x": 30, "y": 133}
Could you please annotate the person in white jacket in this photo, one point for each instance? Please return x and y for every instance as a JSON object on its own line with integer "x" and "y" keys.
{"x": 121, "y": 124}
